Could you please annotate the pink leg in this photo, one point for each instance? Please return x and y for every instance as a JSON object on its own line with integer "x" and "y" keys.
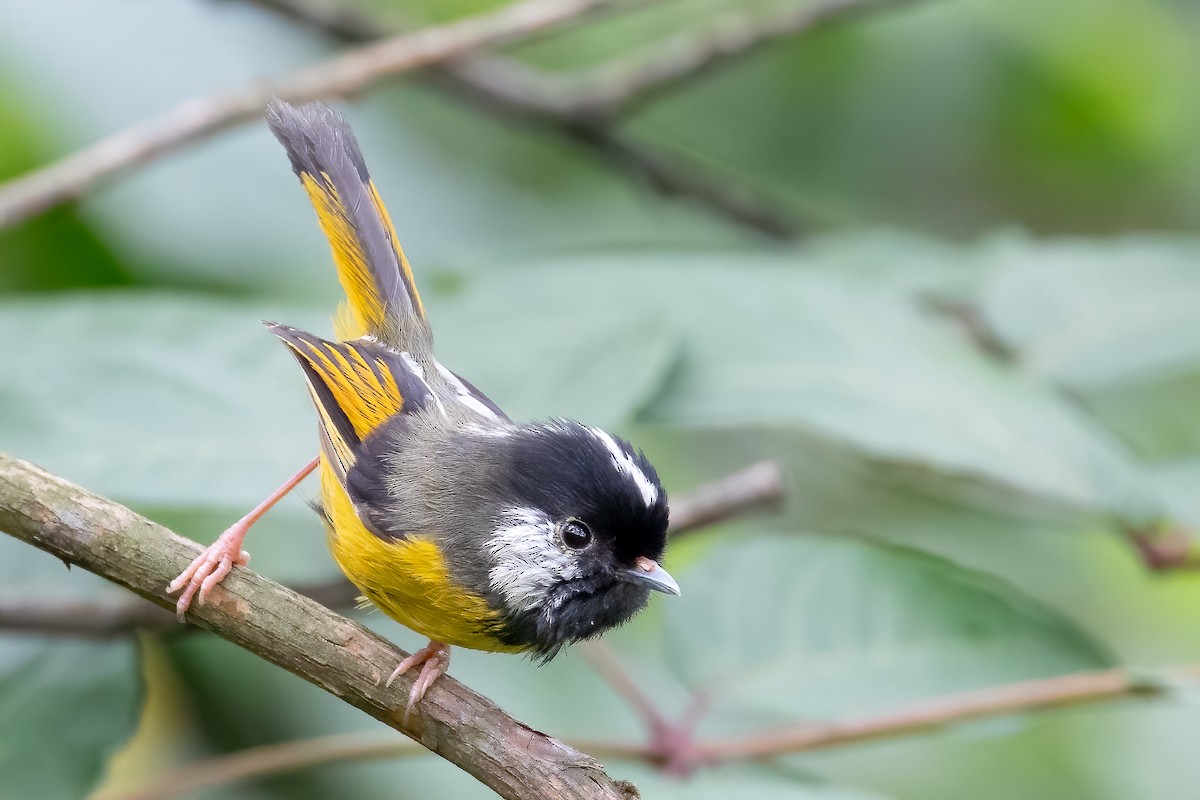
{"x": 434, "y": 659}
{"x": 211, "y": 566}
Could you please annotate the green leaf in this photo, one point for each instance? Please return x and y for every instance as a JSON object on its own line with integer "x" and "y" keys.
{"x": 916, "y": 264}
{"x": 162, "y": 399}
{"x": 557, "y": 360}
{"x": 1178, "y": 482}
{"x": 65, "y": 705}
{"x": 1116, "y": 322}
{"x": 820, "y": 627}
{"x": 79, "y": 258}
{"x": 765, "y": 343}
{"x": 153, "y": 398}
{"x": 1156, "y": 415}
{"x": 1096, "y": 314}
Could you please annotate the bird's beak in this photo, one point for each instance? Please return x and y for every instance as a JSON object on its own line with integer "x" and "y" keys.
{"x": 648, "y": 573}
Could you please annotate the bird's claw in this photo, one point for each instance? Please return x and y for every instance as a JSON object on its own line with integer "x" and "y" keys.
{"x": 209, "y": 568}
{"x": 434, "y": 659}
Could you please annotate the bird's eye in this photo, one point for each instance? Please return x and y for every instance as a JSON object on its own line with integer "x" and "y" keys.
{"x": 575, "y": 534}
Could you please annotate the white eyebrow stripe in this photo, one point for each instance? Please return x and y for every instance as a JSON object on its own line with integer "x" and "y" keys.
{"x": 464, "y": 394}
{"x": 626, "y": 465}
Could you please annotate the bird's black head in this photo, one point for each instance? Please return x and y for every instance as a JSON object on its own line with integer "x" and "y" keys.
{"x": 575, "y": 550}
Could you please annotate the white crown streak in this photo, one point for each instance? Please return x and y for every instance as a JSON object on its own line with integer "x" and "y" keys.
{"x": 625, "y": 464}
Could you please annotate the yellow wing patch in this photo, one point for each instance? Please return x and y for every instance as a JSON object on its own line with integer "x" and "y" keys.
{"x": 361, "y": 384}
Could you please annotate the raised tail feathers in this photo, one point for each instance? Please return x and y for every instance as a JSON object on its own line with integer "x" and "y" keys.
{"x": 381, "y": 296}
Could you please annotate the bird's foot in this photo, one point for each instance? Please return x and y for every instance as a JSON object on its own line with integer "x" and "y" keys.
{"x": 210, "y": 567}
{"x": 434, "y": 659}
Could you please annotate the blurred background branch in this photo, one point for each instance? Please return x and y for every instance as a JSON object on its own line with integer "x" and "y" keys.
{"x": 342, "y": 75}
{"x": 624, "y": 87}
{"x": 689, "y": 753}
{"x": 98, "y": 620}
{"x": 584, "y": 107}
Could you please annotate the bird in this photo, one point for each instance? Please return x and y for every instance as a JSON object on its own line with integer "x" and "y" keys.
{"x": 465, "y": 526}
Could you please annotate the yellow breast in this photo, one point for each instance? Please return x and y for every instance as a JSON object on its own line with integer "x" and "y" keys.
{"x": 406, "y": 578}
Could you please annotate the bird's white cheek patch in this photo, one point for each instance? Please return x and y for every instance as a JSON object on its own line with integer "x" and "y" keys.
{"x": 526, "y": 560}
{"x": 625, "y": 464}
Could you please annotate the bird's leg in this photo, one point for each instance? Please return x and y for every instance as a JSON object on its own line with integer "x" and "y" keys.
{"x": 210, "y": 567}
{"x": 434, "y": 659}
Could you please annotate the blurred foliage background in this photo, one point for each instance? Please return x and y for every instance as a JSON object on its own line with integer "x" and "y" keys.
{"x": 978, "y": 360}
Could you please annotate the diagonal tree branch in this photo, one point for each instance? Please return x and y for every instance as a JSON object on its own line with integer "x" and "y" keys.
{"x": 298, "y": 634}
{"x": 339, "y": 76}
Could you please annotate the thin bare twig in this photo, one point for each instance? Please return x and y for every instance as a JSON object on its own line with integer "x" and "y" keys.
{"x": 276, "y": 759}
{"x": 1037, "y": 695}
{"x": 1164, "y": 547}
{"x": 584, "y": 107}
{"x": 82, "y": 618}
{"x": 1029, "y": 696}
{"x": 339, "y": 76}
{"x": 293, "y": 632}
{"x": 670, "y": 743}
{"x": 610, "y": 669}
{"x": 756, "y": 487}
{"x": 624, "y": 86}
{"x": 347, "y": 25}
{"x": 669, "y": 175}
{"x": 971, "y": 322}
{"x": 271, "y": 759}
{"x": 610, "y": 90}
